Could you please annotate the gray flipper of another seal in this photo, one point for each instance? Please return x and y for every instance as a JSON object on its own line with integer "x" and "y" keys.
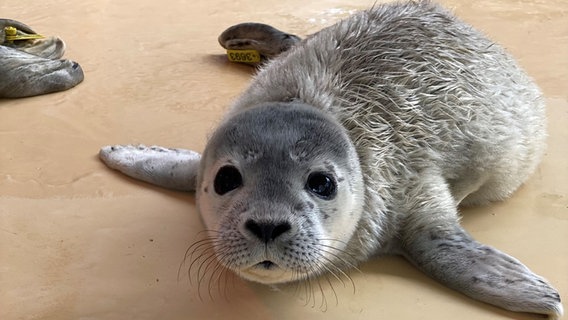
{"x": 32, "y": 67}
{"x": 169, "y": 168}
{"x": 265, "y": 39}
{"x": 26, "y": 75}
{"x": 439, "y": 247}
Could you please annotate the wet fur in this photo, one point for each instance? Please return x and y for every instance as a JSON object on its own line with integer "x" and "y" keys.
{"x": 438, "y": 116}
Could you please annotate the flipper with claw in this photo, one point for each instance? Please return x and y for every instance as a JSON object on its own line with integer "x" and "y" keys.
{"x": 452, "y": 257}
{"x": 448, "y": 254}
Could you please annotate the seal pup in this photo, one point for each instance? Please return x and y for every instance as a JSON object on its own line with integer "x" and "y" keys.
{"x": 362, "y": 140}
{"x": 32, "y": 67}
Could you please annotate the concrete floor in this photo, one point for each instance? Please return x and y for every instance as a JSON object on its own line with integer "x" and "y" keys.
{"x": 79, "y": 241}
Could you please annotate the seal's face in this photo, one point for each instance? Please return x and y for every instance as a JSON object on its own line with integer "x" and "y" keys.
{"x": 280, "y": 189}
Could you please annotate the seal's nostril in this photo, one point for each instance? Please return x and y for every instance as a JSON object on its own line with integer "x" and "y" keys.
{"x": 75, "y": 65}
{"x": 267, "y": 231}
{"x": 280, "y": 229}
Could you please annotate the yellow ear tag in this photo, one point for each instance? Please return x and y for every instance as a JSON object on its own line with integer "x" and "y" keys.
{"x": 244, "y": 56}
{"x": 12, "y": 35}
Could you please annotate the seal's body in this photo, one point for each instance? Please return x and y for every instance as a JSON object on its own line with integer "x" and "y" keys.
{"x": 362, "y": 140}
{"x": 33, "y": 67}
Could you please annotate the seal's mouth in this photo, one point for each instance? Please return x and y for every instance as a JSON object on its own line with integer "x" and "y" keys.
{"x": 266, "y": 265}
{"x": 268, "y": 272}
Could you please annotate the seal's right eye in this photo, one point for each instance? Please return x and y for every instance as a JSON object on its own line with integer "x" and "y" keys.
{"x": 228, "y": 178}
{"x": 322, "y": 185}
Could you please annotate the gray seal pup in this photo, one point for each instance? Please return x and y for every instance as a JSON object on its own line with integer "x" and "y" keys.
{"x": 32, "y": 66}
{"x": 362, "y": 140}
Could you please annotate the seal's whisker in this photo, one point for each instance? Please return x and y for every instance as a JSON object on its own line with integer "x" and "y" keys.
{"x": 323, "y": 304}
{"x": 337, "y": 268}
{"x": 200, "y": 270}
{"x": 332, "y": 289}
{"x": 341, "y": 251}
{"x": 205, "y": 266}
{"x": 309, "y": 291}
{"x": 326, "y": 268}
{"x": 315, "y": 280}
{"x": 196, "y": 246}
{"x": 212, "y": 279}
{"x": 297, "y": 282}
{"x": 216, "y": 256}
{"x": 325, "y": 272}
{"x": 338, "y": 256}
{"x": 206, "y": 254}
{"x": 226, "y": 274}
{"x": 220, "y": 270}
{"x": 223, "y": 273}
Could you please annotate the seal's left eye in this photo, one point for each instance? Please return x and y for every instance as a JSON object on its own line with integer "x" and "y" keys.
{"x": 322, "y": 185}
{"x": 228, "y": 178}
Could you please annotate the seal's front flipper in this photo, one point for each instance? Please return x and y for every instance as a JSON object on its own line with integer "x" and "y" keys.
{"x": 265, "y": 39}
{"x": 169, "y": 168}
{"x": 449, "y": 255}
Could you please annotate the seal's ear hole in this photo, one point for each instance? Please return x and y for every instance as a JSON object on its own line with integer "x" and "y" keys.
{"x": 228, "y": 178}
{"x": 322, "y": 185}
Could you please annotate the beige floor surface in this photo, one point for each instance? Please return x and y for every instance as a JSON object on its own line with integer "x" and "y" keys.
{"x": 78, "y": 241}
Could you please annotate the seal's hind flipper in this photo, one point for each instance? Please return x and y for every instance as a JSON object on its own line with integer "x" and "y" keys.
{"x": 265, "y": 39}
{"x": 434, "y": 241}
{"x": 169, "y": 168}
{"x": 452, "y": 257}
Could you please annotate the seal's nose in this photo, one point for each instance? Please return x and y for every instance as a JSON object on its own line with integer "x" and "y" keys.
{"x": 267, "y": 231}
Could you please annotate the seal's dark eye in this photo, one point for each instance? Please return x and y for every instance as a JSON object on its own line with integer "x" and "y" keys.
{"x": 322, "y": 185}
{"x": 228, "y": 178}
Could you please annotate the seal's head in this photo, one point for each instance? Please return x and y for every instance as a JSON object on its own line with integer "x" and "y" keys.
{"x": 280, "y": 189}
